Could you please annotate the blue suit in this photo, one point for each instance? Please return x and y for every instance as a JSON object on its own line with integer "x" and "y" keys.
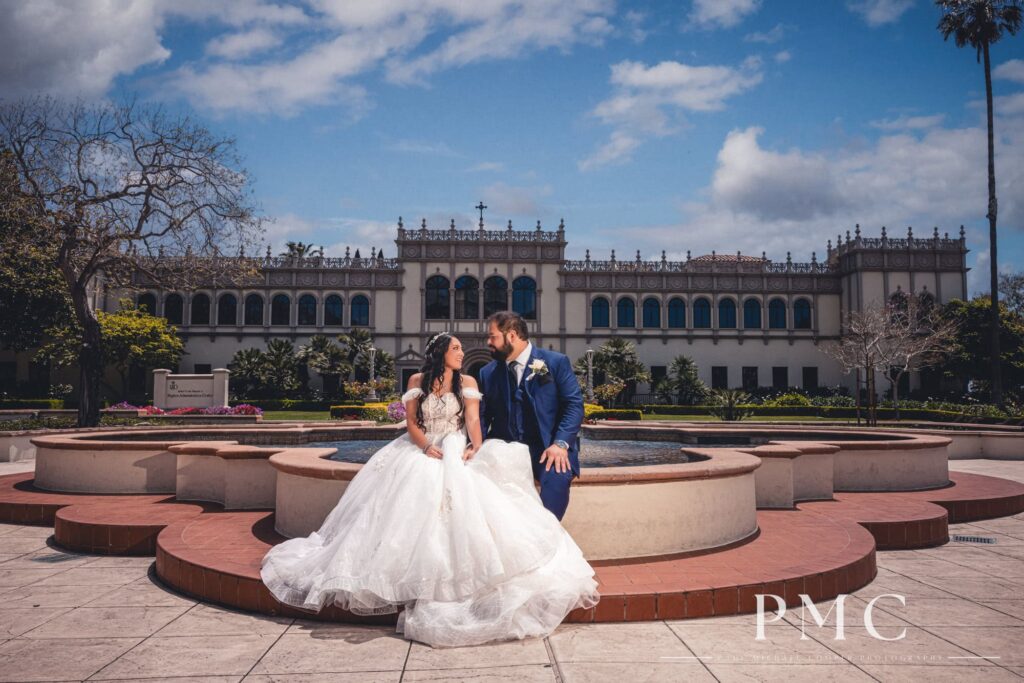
{"x": 537, "y": 412}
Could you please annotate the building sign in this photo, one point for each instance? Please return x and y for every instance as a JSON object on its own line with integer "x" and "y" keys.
{"x": 190, "y": 391}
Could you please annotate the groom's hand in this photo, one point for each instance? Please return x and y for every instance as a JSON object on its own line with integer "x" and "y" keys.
{"x": 557, "y": 456}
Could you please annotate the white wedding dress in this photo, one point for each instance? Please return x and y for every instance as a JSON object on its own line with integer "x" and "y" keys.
{"x": 466, "y": 548}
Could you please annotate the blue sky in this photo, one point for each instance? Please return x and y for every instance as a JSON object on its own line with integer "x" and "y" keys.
{"x": 722, "y": 124}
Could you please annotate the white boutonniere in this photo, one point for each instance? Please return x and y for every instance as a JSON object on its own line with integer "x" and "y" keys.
{"x": 538, "y": 368}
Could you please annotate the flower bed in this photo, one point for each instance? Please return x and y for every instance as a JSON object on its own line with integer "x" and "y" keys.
{"x": 148, "y": 411}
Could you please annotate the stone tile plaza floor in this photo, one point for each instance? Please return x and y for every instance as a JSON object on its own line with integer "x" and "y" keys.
{"x": 72, "y": 617}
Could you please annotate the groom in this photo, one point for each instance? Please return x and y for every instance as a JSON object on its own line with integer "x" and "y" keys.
{"x": 532, "y": 396}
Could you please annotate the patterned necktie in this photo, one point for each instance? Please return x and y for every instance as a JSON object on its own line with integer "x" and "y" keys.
{"x": 513, "y": 376}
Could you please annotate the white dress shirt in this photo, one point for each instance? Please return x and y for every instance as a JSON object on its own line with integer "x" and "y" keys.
{"x": 521, "y": 360}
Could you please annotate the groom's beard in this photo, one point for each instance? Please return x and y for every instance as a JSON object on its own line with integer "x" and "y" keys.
{"x": 503, "y": 353}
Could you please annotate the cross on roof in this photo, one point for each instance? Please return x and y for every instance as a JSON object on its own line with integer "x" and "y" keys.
{"x": 480, "y": 207}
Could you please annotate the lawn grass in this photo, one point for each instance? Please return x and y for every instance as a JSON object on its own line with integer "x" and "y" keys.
{"x": 766, "y": 418}
{"x": 323, "y": 416}
{"x": 303, "y": 415}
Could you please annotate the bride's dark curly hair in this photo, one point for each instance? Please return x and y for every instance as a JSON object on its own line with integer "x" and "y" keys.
{"x": 433, "y": 373}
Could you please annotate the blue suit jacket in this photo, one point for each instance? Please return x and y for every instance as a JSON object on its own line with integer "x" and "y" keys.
{"x": 556, "y": 402}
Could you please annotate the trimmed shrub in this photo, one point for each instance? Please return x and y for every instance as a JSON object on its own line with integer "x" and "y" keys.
{"x": 368, "y": 411}
{"x": 615, "y": 414}
{"x": 796, "y": 400}
{"x": 33, "y": 403}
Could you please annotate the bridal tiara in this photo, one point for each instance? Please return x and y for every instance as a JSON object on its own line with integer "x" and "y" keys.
{"x": 430, "y": 342}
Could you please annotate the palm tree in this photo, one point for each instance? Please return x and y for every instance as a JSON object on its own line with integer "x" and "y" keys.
{"x": 281, "y": 367}
{"x": 355, "y": 343}
{"x": 326, "y": 358}
{"x": 618, "y": 360}
{"x": 302, "y": 250}
{"x": 247, "y": 367}
{"x": 979, "y": 23}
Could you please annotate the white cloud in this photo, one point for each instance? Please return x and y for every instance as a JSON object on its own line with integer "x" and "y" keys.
{"x": 721, "y": 13}
{"x": 500, "y": 29}
{"x": 617, "y": 150}
{"x": 243, "y": 44}
{"x": 509, "y": 200}
{"x": 760, "y": 198}
{"x": 362, "y": 234}
{"x": 773, "y": 185}
{"x": 438, "y": 149}
{"x": 1009, "y": 105}
{"x": 75, "y": 48}
{"x": 770, "y": 37}
{"x": 909, "y": 122}
{"x": 287, "y": 227}
{"x": 633, "y": 26}
{"x": 486, "y": 167}
{"x": 81, "y": 47}
{"x": 879, "y": 12}
{"x": 782, "y": 56}
{"x": 1012, "y": 70}
{"x": 651, "y": 100}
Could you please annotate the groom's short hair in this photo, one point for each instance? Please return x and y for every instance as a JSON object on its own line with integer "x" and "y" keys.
{"x": 509, "y": 321}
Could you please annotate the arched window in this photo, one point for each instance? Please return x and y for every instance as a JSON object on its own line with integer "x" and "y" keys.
{"x": 777, "y": 314}
{"x": 677, "y": 314}
{"x": 495, "y": 295}
{"x": 227, "y": 310}
{"x": 437, "y": 298}
{"x": 652, "y": 313}
{"x": 361, "y": 311}
{"x": 702, "y": 313}
{"x": 625, "y": 313}
{"x": 333, "y": 310}
{"x": 599, "y": 312}
{"x": 200, "y": 310}
{"x": 280, "y": 310}
{"x": 802, "y": 314}
{"x": 524, "y": 297}
{"x": 147, "y": 302}
{"x": 467, "y": 298}
{"x": 174, "y": 307}
{"x": 726, "y": 314}
{"x": 254, "y": 309}
{"x": 752, "y": 314}
{"x": 307, "y": 309}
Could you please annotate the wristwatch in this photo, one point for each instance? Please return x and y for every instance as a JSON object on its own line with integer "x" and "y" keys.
{"x": 562, "y": 444}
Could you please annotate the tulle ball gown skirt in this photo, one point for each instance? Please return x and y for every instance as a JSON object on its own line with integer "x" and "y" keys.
{"x": 466, "y": 548}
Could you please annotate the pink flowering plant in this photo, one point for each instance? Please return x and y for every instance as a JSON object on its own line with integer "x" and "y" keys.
{"x": 396, "y": 411}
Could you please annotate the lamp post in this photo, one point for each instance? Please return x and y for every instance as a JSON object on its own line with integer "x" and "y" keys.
{"x": 590, "y": 374}
{"x": 373, "y": 389}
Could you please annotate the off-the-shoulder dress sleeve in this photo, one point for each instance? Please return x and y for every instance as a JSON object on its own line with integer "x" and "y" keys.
{"x": 471, "y": 393}
{"x": 411, "y": 394}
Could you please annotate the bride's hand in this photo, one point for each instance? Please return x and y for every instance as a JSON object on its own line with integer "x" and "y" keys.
{"x": 433, "y": 452}
{"x": 468, "y": 453}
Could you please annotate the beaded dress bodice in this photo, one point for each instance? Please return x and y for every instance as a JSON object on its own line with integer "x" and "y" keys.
{"x": 441, "y": 412}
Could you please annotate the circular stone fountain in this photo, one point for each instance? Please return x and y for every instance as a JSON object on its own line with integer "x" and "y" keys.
{"x": 672, "y": 491}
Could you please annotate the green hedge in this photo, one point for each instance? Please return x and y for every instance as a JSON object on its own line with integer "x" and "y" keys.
{"x": 33, "y": 403}
{"x": 615, "y": 414}
{"x": 833, "y": 412}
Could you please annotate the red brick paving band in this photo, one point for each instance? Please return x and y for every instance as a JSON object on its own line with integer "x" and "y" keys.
{"x": 820, "y": 548}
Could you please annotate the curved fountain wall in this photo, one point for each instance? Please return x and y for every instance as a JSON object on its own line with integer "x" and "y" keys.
{"x": 680, "y": 508}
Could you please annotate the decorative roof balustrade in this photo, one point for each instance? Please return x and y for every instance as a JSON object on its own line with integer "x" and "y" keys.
{"x": 424, "y": 234}
{"x": 933, "y": 243}
{"x": 723, "y": 264}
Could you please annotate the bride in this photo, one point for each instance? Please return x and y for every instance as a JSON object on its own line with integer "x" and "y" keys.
{"x": 452, "y": 532}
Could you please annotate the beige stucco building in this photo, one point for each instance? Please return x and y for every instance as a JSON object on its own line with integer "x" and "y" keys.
{"x": 746, "y": 321}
